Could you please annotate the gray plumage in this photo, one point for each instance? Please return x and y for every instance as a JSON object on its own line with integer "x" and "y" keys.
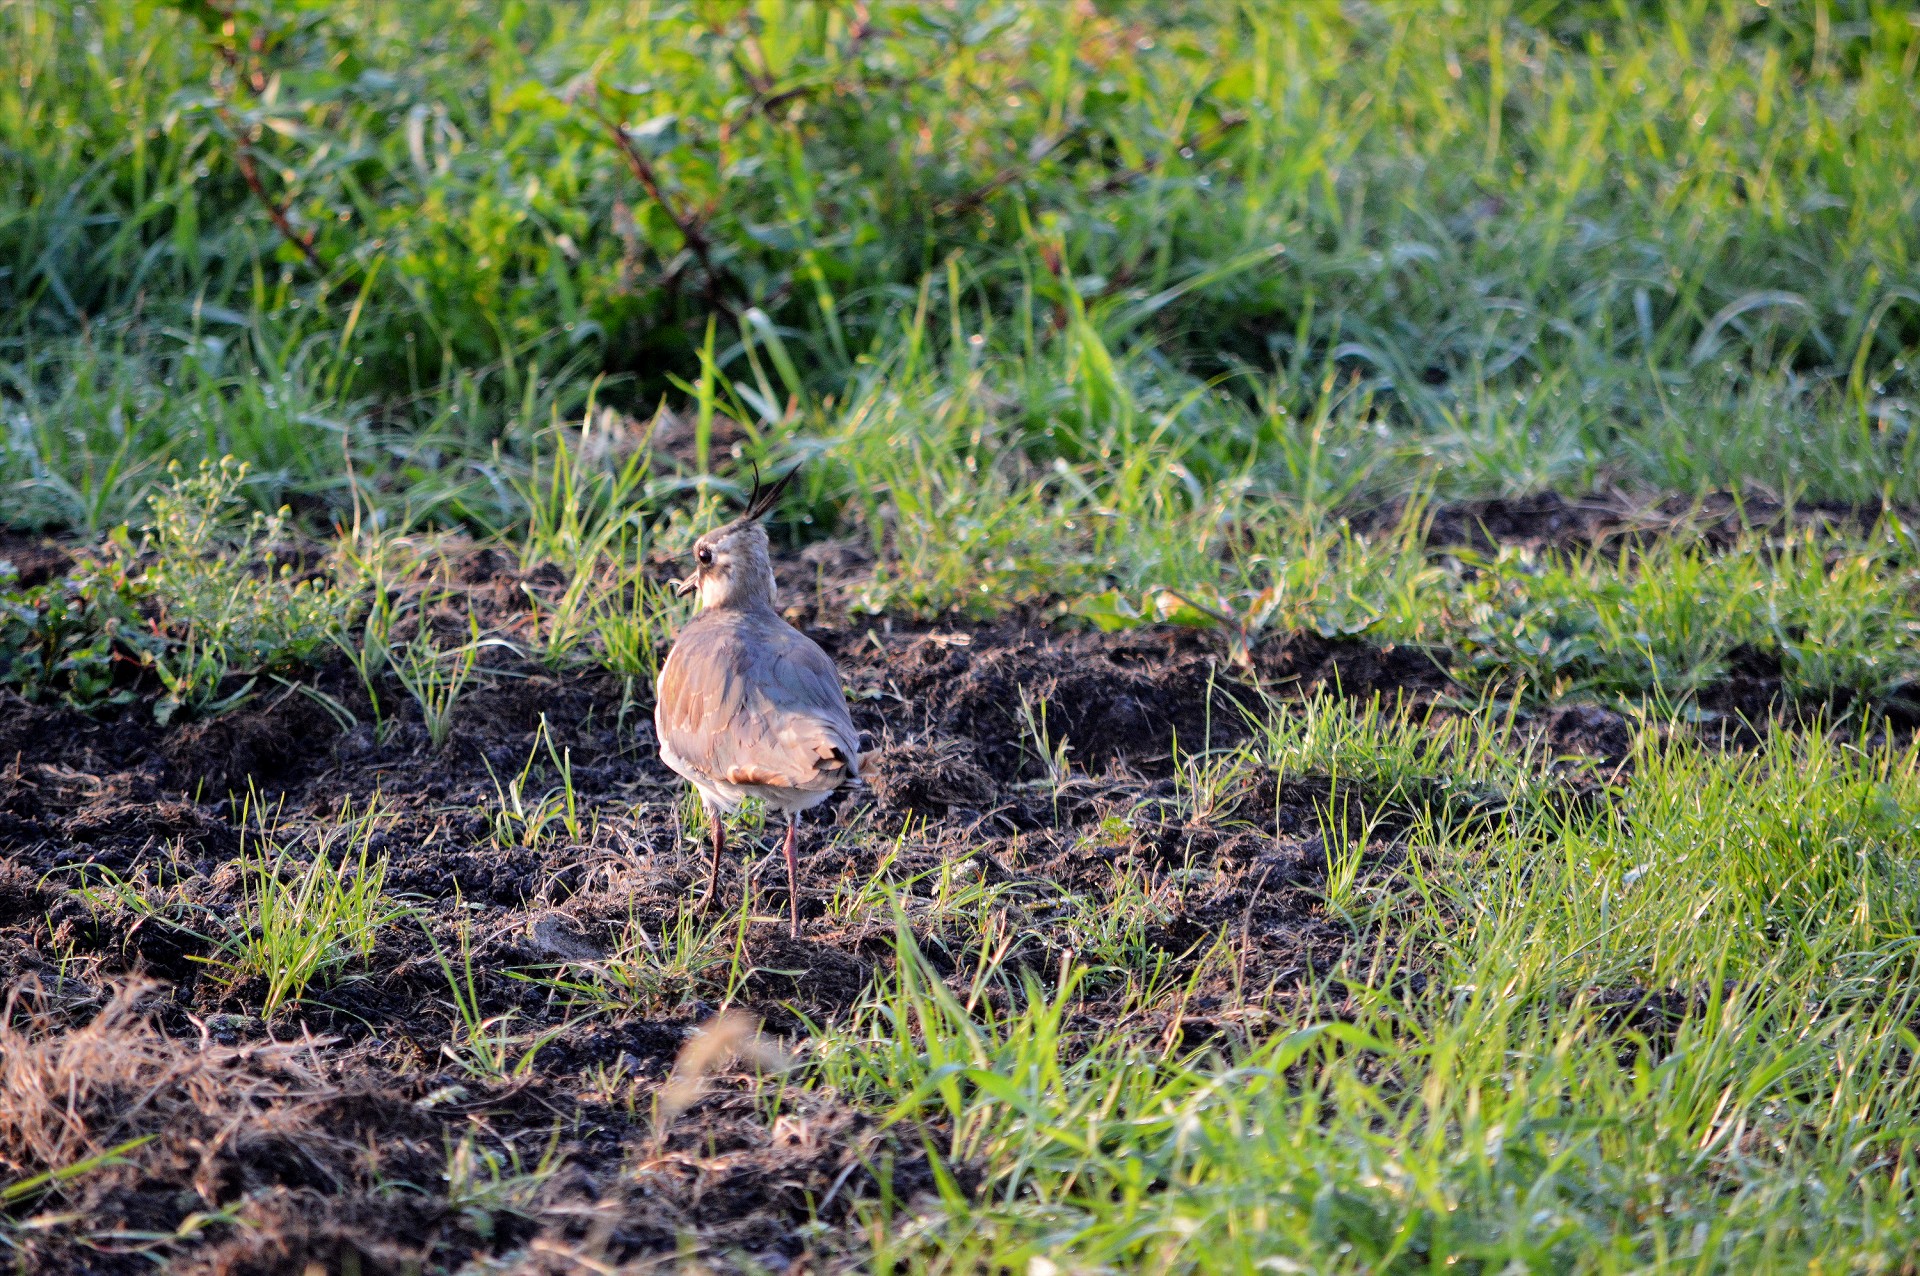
{"x": 746, "y": 705}
{"x": 749, "y": 706}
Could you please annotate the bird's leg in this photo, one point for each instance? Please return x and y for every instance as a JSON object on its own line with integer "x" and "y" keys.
{"x": 719, "y": 828}
{"x": 793, "y": 873}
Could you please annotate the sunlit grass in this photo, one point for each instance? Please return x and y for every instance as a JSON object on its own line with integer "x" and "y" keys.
{"x": 1549, "y": 247}
{"x": 1500, "y": 1110}
{"x": 298, "y": 924}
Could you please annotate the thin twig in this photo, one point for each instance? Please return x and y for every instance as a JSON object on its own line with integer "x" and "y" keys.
{"x": 250, "y": 171}
{"x": 249, "y": 168}
{"x": 760, "y": 81}
{"x": 689, "y": 228}
{"x": 1002, "y": 179}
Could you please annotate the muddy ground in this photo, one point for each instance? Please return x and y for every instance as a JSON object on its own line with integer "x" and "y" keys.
{"x": 326, "y": 1135}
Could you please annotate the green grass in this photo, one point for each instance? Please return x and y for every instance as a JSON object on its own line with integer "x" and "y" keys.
{"x": 483, "y": 1045}
{"x": 1108, "y": 315}
{"x": 1059, "y": 317}
{"x": 202, "y": 603}
{"x": 1499, "y": 1110}
{"x": 1534, "y": 244}
{"x": 302, "y": 924}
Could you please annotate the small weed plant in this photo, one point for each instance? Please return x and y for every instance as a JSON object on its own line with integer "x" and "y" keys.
{"x": 302, "y": 924}
{"x": 80, "y": 637}
{"x": 434, "y": 676}
{"x": 686, "y": 960}
{"x": 200, "y": 601}
{"x": 482, "y": 1182}
{"x": 523, "y": 817}
{"x": 222, "y": 616}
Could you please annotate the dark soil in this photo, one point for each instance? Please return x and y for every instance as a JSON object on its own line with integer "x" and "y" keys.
{"x": 35, "y": 559}
{"x": 325, "y": 1136}
{"x": 1549, "y": 520}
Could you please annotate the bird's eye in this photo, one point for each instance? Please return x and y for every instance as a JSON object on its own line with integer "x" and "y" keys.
{"x": 705, "y": 556}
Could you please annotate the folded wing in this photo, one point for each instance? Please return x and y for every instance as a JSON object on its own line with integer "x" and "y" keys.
{"x": 761, "y": 708}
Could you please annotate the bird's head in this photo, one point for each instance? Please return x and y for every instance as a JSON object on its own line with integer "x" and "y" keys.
{"x": 731, "y": 567}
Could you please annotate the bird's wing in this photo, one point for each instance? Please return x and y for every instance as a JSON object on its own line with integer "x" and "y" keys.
{"x": 756, "y": 705}
{"x": 813, "y": 705}
{"x": 697, "y": 695}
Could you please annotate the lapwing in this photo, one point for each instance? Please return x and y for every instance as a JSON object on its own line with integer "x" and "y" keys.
{"x": 746, "y": 705}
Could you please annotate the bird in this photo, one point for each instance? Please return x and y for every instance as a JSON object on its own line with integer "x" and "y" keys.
{"x": 746, "y": 705}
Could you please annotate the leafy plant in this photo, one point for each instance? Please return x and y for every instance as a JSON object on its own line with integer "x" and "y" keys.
{"x": 219, "y": 616}
{"x": 73, "y": 636}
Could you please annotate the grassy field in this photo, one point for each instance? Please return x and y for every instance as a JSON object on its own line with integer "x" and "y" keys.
{"x": 1374, "y": 546}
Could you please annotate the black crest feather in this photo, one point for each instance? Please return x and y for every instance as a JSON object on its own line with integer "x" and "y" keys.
{"x": 764, "y": 498}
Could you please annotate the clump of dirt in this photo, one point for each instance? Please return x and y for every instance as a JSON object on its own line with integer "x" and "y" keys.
{"x": 1589, "y": 729}
{"x": 1018, "y": 693}
{"x": 928, "y": 777}
{"x": 1399, "y": 673}
{"x": 304, "y": 1229}
{"x": 1655, "y": 1013}
{"x": 113, "y": 739}
{"x": 1539, "y": 519}
{"x": 263, "y": 744}
{"x": 1753, "y": 689}
{"x": 675, "y": 437}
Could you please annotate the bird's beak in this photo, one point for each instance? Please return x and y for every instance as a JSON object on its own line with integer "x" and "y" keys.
{"x": 681, "y": 588}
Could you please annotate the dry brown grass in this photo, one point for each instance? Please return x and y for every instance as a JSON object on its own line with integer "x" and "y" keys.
{"x": 729, "y": 1037}
{"x": 70, "y": 1093}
